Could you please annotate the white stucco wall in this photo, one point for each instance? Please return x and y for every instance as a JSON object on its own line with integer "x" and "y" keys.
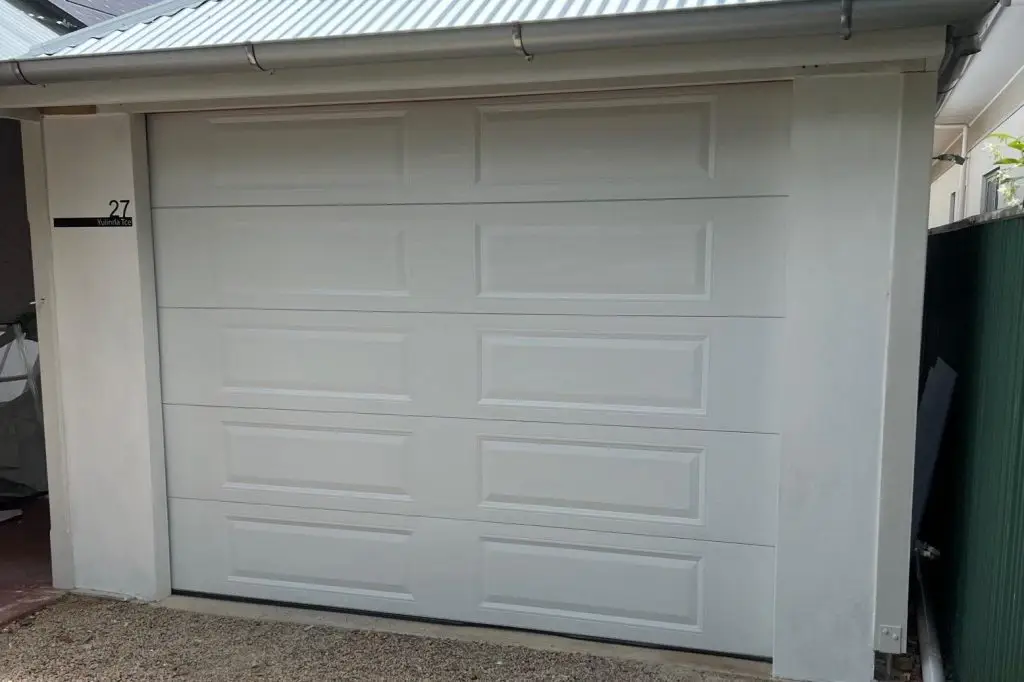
{"x": 938, "y": 205}
{"x": 105, "y": 308}
{"x": 854, "y": 282}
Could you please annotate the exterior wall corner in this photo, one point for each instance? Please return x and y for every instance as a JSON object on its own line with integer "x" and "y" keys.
{"x": 105, "y": 314}
{"x": 854, "y": 273}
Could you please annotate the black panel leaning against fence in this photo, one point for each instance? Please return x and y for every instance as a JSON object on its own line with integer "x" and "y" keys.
{"x": 974, "y": 320}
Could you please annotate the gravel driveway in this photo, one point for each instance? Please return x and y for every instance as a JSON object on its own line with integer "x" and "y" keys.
{"x": 81, "y": 639}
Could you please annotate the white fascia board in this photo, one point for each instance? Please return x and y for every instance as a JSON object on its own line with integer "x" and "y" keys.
{"x": 727, "y": 61}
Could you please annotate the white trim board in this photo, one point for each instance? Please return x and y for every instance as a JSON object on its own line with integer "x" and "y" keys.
{"x": 36, "y": 196}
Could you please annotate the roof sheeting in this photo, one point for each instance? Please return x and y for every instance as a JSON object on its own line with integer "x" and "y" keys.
{"x": 91, "y": 12}
{"x": 179, "y": 24}
{"x": 87, "y": 15}
{"x": 19, "y": 31}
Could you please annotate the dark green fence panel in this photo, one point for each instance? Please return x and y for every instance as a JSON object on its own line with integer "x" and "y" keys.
{"x": 974, "y": 319}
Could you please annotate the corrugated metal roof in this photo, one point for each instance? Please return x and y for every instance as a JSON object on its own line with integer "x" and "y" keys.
{"x": 91, "y": 12}
{"x": 19, "y": 31}
{"x": 178, "y": 24}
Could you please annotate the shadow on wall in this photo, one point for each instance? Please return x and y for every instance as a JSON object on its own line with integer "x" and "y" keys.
{"x": 16, "y": 291}
{"x": 22, "y": 454}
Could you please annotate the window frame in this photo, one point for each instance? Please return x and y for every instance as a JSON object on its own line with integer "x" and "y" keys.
{"x": 990, "y": 191}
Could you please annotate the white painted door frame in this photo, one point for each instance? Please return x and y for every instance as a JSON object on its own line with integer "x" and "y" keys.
{"x": 62, "y": 561}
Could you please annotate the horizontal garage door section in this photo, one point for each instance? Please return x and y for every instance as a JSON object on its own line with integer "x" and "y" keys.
{"x": 511, "y": 362}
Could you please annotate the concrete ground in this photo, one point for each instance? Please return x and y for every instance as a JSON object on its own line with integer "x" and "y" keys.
{"x": 81, "y": 638}
{"x": 25, "y": 563}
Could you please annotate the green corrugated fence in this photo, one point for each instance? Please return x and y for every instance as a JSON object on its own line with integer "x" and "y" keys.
{"x": 974, "y": 320}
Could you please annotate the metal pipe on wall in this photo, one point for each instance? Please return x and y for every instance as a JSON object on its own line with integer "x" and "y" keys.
{"x": 928, "y": 639}
{"x": 964, "y": 152}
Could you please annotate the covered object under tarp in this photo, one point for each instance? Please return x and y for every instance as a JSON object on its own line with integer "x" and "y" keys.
{"x": 22, "y": 449}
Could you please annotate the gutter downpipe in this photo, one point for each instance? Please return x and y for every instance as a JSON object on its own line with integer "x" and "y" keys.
{"x": 964, "y": 151}
{"x": 928, "y": 640}
{"x": 963, "y": 46}
{"x": 959, "y": 57}
{"x": 777, "y": 19}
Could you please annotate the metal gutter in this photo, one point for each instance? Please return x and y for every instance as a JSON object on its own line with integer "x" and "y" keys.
{"x": 970, "y": 45}
{"x": 770, "y": 20}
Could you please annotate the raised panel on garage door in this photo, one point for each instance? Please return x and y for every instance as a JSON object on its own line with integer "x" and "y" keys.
{"x": 671, "y": 592}
{"x": 659, "y": 144}
{"x": 684, "y": 593}
{"x": 686, "y": 484}
{"x": 709, "y": 373}
{"x": 510, "y": 361}
{"x": 699, "y": 257}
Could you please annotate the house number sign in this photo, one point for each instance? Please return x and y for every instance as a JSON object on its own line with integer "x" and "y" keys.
{"x": 117, "y": 216}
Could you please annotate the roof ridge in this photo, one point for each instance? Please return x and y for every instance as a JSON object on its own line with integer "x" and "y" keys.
{"x": 102, "y": 29}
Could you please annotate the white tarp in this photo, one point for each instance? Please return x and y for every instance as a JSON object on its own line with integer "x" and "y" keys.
{"x": 22, "y": 450}
{"x": 15, "y": 366}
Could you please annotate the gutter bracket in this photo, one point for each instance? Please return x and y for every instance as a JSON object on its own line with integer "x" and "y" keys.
{"x": 846, "y": 19}
{"x": 250, "y": 56}
{"x": 16, "y": 70}
{"x": 517, "y": 41}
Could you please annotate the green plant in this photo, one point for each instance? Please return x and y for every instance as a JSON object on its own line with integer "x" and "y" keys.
{"x": 1009, "y": 159}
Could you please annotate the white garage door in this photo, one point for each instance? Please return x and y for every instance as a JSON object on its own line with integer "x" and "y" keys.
{"x": 511, "y": 362}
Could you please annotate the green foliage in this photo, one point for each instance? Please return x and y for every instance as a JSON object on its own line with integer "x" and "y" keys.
{"x": 1008, "y": 153}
